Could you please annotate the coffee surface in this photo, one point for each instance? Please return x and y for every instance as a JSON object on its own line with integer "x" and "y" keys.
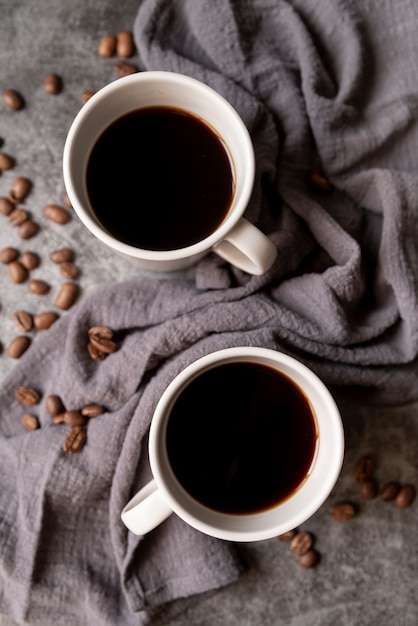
{"x": 159, "y": 178}
{"x": 241, "y": 437}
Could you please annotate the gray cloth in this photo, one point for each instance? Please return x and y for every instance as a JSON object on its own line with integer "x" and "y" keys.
{"x": 317, "y": 83}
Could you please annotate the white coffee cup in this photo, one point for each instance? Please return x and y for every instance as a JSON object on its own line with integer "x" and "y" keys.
{"x": 235, "y": 239}
{"x": 165, "y": 494}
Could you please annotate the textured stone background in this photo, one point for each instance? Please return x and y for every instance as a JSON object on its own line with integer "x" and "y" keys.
{"x": 368, "y": 570}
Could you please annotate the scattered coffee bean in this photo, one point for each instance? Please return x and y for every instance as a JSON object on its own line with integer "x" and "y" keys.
{"x": 74, "y": 418}
{"x": 6, "y": 161}
{"x": 18, "y": 216}
{"x": 319, "y": 181}
{"x": 364, "y": 469}
{"x": 369, "y": 489}
{"x": 30, "y": 422}
{"x": 58, "y": 419}
{"x": 107, "y": 46}
{"x": 23, "y": 321}
{"x": 38, "y": 286}
{"x": 68, "y": 270}
{"x": 309, "y": 559}
{"x": 54, "y": 405}
{"x": 288, "y": 536}
{"x": 17, "y": 272}
{"x": 6, "y": 207}
{"x": 9, "y": 254}
{"x": 124, "y": 68}
{"x": 405, "y": 497}
{"x": 390, "y": 491}
{"x": 19, "y": 189}
{"x": 53, "y": 84}
{"x": 125, "y": 44}
{"x": 92, "y": 410}
{"x": 12, "y": 99}
{"x": 95, "y": 354}
{"x": 30, "y": 260}
{"x": 301, "y": 543}
{"x": 86, "y": 95}
{"x": 44, "y": 320}
{"x": 101, "y": 338}
{"x": 62, "y": 255}
{"x": 66, "y": 296}
{"x": 75, "y": 440}
{"x": 28, "y": 229}
{"x": 27, "y": 395}
{"x": 343, "y": 512}
{"x": 18, "y": 346}
{"x": 56, "y": 214}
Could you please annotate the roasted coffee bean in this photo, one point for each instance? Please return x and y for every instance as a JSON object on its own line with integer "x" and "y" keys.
{"x": 62, "y": 255}
{"x": 301, "y": 543}
{"x": 38, "y": 286}
{"x": 103, "y": 344}
{"x": 93, "y": 410}
{"x": 23, "y": 321}
{"x": 30, "y": 422}
{"x": 364, "y": 469}
{"x": 389, "y": 491}
{"x": 6, "y": 207}
{"x": 27, "y": 395}
{"x": 58, "y": 419}
{"x": 18, "y": 216}
{"x": 107, "y": 46}
{"x": 124, "y": 68}
{"x": 405, "y": 497}
{"x": 66, "y": 296}
{"x": 18, "y": 346}
{"x": 75, "y": 440}
{"x": 74, "y": 418}
{"x": 319, "y": 181}
{"x": 369, "y": 489}
{"x": 12, "y": 99}
{"x": 343, "y": 512}
{"x": 125, "y": 44}
{"x": 44, "y": 320}
{"x": 54, "y": 405}
{"x": 9, "y": 254}
{"x": 309, "y": 559}
{"x": 96, "y": 355}
{"x": 86, "y": 95}
{"x": 28, "y": 229}
{"x": 6, "y": 161}
{"x": 53, "y": 84}
{"x": 30, "y": 260}
{"x": 17, "y": 272}
{"x": 68, "y": 270}
{"x": 57, "y": 214}
{"x": 19, "y": 189}
{"x": 100, "y": 331}
{"x": 288, "y": 536}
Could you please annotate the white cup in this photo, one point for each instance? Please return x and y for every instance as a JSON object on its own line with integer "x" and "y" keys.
{"x": 164, "y": 494}
{"x": 235, "y": 239}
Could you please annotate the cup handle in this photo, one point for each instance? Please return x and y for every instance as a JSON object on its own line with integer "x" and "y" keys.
{"x": 246, "y": 247}
{"x": 146, "y": 510}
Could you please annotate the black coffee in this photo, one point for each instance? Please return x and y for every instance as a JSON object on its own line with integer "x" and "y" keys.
{"x": 159, "y": 178}
{"x": 241, "y": 437}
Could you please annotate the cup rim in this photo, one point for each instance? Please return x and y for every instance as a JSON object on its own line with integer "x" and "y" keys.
{"x": 96, "y": 229}
{"x": 244, "y": 527}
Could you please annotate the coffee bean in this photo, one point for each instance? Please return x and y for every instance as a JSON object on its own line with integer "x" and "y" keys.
{"x": 19, "y": 189}
{"x": 309, "y": 559}
{"x": 102, "y": 343}
{"x": 125, "y": 44}
{"x": 30, "y": 422}
{"x": 343, "y": 512}
{"x": 18, "y": 346}
{"x": 369, "y": 489}
{"x": 23, "y": 321}
{"x": 58, "y": 419}
{"x": 12, "y": 99}
{"x": 92, "y": 410}
{"x": 66, "y": 296}
{"x": 301, "y": 543}
{"x": 124, "y": 68}
{"x": 44, "y": 320}
{"x": 9, "y": 254}
{"x": 6, "y": 207}
{"x": 86, "y": 95}
{"x": 405, "y": 497}
{"x": 96, "y": 355}
{"x": 28, "y": 229}
{"x": 100, "y": 331}
{"x": 56, "y": 214}
{"x": 18, "y": 216}
{"x": 364, "y": 469}
{"x": 107, "y": 46}
{"x": 6, "y": 161}
{"x": 319, "y": 181}
{"x": 54, "y": 405}
{"x": 288, "y": 536}
{"x": 38, "y": 286}
{"x": 62, "y": 255}
{"x": 30, "y": 260}
{"x": 75, "y": 440}
{"x": 68, "y": 270}
{"x": 27, "y": 395}
{"x": 74, "y": 418}
{"x": 389, "y": 491}
{"x": 17, "y": 272}
{"x": 53, "y": 84}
